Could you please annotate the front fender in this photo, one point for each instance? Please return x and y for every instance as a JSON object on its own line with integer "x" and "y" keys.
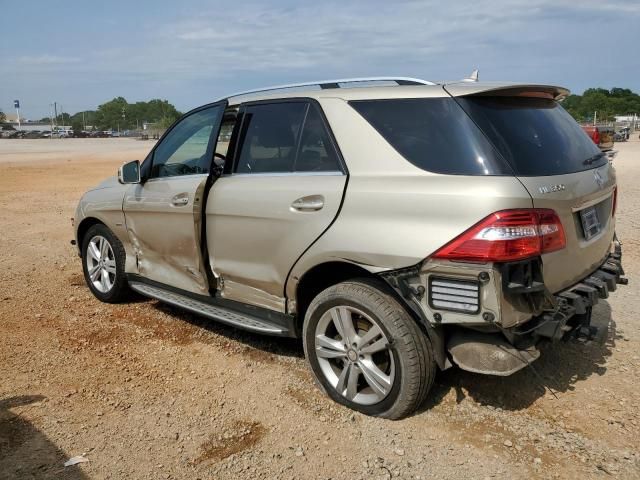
{"x": 104, "y": 205}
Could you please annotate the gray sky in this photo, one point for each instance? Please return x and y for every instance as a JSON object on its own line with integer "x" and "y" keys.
{"x": 83, "y": 53}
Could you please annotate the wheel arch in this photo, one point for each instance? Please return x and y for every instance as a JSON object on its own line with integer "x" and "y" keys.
{"x": 326, "y": 274}
{"x": 321, "y": 277}
{"x": 83, "y": 228}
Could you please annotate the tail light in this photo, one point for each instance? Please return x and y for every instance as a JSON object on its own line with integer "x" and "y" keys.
{"x": 596, "y": 136}
{"x": 506, "y": 236}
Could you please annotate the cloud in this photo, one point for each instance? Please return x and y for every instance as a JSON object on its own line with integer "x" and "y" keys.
{"x": 190, "y": 52}
{"x": 294, "y": 40}
{"x": 47, "y": 60}
{"x": 343, "y": 36}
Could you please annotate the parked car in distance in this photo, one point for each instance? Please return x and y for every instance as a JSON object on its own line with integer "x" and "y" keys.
{"x": 601, "y": 135}
{"x": 622, "y": 135}
{"x": 396, "y": 230}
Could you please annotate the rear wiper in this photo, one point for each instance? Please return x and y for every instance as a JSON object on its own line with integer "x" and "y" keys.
{"x": 592, "y": 159}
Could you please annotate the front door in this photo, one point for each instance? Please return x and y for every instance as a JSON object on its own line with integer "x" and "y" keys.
{"x": 163, "y": 214}
{"x": 281, "y": 190}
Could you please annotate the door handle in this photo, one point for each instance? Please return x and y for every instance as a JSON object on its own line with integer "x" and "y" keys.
{"x": 180, "y": 200}
{"x": 311, "y": 203}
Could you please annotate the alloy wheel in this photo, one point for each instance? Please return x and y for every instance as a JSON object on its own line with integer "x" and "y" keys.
{"x": 101, "y": 264}
{"x": 354, "y": 355}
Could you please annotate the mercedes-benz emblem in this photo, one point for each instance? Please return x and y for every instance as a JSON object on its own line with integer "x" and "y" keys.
{"x": 598, "y": 178}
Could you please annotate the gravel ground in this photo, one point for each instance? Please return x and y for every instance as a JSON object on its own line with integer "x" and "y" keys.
{"x": 143, "y": 390}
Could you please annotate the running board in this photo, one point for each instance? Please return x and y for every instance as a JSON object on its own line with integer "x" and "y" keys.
{"x": 206, "y": 309}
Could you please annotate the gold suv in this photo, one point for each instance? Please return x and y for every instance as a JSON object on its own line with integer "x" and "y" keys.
{"x": 397, "y": 226}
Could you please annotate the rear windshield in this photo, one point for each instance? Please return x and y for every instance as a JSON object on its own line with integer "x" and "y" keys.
{"x": 434, "y": 134}
{"x": 496, "y": 136}
{"x": 535, "y": 135}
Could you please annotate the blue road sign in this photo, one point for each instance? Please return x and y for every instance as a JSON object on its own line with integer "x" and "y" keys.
{"x": 16, "y": 103}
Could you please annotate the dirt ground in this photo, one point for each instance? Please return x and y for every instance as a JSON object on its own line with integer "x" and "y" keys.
{"x": 144, "y": 390}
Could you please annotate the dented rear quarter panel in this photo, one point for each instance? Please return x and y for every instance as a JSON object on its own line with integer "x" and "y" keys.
{"x": 394, "y": 214}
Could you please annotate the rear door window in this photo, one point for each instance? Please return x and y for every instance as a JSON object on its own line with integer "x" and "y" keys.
{"x": 434, "y": 134}
{"x": 535, "y": 135}
{"x": 316, "y": 153}
{"x": 270, "y": 137}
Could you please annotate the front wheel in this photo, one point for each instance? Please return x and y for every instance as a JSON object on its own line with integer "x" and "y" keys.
{"x": 366, "y": 351}
{"x": 103, "y": 258}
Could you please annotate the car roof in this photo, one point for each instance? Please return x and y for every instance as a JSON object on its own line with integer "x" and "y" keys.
{"x": 443, "y": 89}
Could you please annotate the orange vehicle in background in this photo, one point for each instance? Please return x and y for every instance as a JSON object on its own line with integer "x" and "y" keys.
{"x": 601, "y": 135}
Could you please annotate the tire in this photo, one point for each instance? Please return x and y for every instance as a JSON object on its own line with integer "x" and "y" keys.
{"x": 402, "y": 354}
{"x": 116, "y": 288}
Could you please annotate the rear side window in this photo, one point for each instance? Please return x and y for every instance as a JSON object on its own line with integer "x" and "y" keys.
{"x": 535, "y": 135}
{"x": 434, "y": 134}
{"x": 269, "y": 138}
{"x": 316, "y": 152}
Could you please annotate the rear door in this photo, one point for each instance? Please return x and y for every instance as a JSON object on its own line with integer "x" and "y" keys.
{"x": 163, "y": 214}
{"x": 282, "y": 189}
{"x": 561, "y": 168}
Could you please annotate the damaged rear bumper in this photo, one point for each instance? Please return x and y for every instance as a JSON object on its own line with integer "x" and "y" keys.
{"x": 507, "y": 309}
{"x": 504, "y": 353}
{"x": 572, "y": 315}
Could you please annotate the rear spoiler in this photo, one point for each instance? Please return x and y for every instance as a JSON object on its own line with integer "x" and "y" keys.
{"x": 462, "y": 89}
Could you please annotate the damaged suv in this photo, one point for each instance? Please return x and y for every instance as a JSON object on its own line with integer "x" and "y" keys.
{"x": 396, "y": 225}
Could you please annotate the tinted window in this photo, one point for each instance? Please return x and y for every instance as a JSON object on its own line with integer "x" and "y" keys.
{"x": 434, "y": 134}
{"x": 184, "y": 151}
{"x": 535, "y": 135}
{"x": 270, "y": 137}
{"x": 316, "y": 152}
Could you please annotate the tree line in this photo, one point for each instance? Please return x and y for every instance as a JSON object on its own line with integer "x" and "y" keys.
{"x": 607, "y": 104}
{"x": 120, "y": 114}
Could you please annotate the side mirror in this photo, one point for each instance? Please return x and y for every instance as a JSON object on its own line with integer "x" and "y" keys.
{"x": 129, "y": 172}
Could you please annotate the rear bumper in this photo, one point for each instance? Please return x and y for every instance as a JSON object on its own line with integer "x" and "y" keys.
{"x": 499, "y": 332}
{"x": 513, "y": 349}
{"x": 573, "y": 306}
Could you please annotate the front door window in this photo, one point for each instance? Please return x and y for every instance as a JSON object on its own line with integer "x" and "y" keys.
{"x": 186, "y": 148}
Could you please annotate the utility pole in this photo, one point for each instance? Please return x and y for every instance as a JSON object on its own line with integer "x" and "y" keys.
{"x": 51, "y": 119}
{"x": 84, "y": 124}
{"x": 595, "y": 117}
{"x": 55, "y": 112}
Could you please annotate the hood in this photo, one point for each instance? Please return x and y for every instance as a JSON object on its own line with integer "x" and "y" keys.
{"x": 107, "y": 183}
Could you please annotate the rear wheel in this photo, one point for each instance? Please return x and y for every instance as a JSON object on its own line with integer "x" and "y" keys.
{"x": 366, "y": 351}
{"x": 103, "y": 258}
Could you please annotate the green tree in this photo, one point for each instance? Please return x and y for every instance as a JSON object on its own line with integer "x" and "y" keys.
{"x": 86, "y": 117}
{"x": 64, "y": 119}
{"x": 607, "y": 104}
{"x": 3, "y": 117}
{"x": 109, "y": 114}
{"x": 77, "y": 129}
{"x": 119, "y": 113}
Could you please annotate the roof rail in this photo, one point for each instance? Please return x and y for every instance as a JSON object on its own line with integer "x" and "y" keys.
{"x": 326, "y": 84}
